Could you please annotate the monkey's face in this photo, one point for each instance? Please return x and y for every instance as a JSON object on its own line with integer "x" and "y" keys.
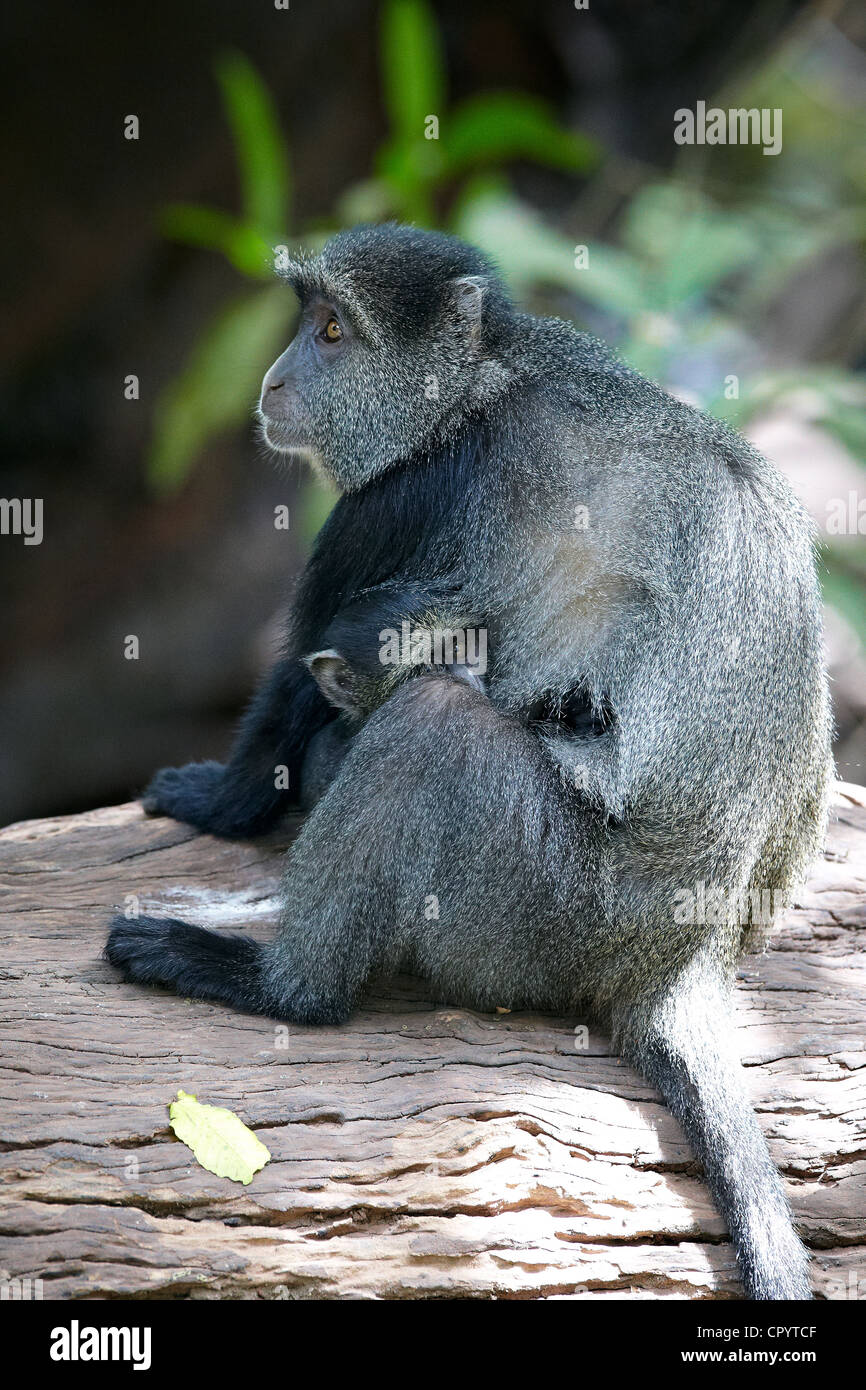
{"x": 361, "y": 396}
{"x": 291, "y": 399}
{"x": 392, "y": 344}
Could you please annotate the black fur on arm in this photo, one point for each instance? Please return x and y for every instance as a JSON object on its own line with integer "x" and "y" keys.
{"x": 241, "y": 798}
{"x": 371, "y": 542}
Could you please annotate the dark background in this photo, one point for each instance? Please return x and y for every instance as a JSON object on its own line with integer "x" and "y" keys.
{"x": 95, "y": 290}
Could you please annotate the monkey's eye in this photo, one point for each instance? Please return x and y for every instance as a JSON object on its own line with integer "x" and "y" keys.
{"x": 332, "y": 332}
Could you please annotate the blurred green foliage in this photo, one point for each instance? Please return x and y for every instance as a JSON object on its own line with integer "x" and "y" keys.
{"x": 218, "y": 384}
{"x": 263, "y": 165}
{"x": 685, "y": 278}
{"x": 432, "y": 145}
{"x": 220, "y": 381}
{"x": 681, "y": 287}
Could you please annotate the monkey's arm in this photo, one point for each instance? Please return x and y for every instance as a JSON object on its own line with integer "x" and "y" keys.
{"x": 246, "y": 796}
{"x": 263, "y": 777}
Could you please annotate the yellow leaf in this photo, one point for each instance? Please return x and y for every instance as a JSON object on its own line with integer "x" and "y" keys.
{"x": 220, "y": 1141}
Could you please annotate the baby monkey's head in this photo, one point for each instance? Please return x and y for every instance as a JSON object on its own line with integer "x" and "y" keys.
{"x": 357, "y": 692}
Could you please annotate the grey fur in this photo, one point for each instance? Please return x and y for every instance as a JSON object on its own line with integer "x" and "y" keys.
{"x": 679, "y": 614}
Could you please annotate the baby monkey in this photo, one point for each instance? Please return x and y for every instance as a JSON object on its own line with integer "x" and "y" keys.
{"x": 356, "y": 678}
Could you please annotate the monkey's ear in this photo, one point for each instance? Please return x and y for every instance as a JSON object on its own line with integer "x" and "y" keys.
{"x": 467, "y": 297}
{"x": 333, "y": 676}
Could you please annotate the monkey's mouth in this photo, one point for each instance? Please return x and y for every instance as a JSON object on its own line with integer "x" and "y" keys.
{"x": 284, "y": 435}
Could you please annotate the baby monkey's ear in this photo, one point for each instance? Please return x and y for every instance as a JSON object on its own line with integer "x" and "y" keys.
{"x": 333, "y": 675}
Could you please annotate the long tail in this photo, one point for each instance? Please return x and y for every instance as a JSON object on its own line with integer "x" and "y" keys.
{"x": 678, "y": 1044}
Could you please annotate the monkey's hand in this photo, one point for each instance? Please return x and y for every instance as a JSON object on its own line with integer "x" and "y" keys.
{"x": 186, "y": 793}
{"x": 204, "y": 795}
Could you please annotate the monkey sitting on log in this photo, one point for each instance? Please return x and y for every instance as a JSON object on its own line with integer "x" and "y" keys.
{"x": 653, "y": 721}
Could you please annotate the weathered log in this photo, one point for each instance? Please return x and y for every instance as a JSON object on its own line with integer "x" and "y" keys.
{"x": 418, "y": 1151}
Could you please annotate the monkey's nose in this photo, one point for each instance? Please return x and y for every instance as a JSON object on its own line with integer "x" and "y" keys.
{"x": 279, "y": 398}
{"x": 275, "y": 395}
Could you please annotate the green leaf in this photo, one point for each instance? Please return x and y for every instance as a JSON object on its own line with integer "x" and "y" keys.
{"x": 832, "y": 388}
{"x": 530, "y": 253}
{"x": 408, "y": 171}
{"x": 214, "y": 230}
{"x": 412, "y": 68}
{"x": 613, "y": 281}
{"x": 787, "y": 241}
{"x": 507, "y": 125}
{"x": 260, "y": 149}
{"x": 220, "y": 383}
{"x": 220, "y": 1141}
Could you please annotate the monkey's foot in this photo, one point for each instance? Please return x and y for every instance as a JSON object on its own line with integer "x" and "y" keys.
{"x": 202, "y": 964}
{"x": 188, "y": 959}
